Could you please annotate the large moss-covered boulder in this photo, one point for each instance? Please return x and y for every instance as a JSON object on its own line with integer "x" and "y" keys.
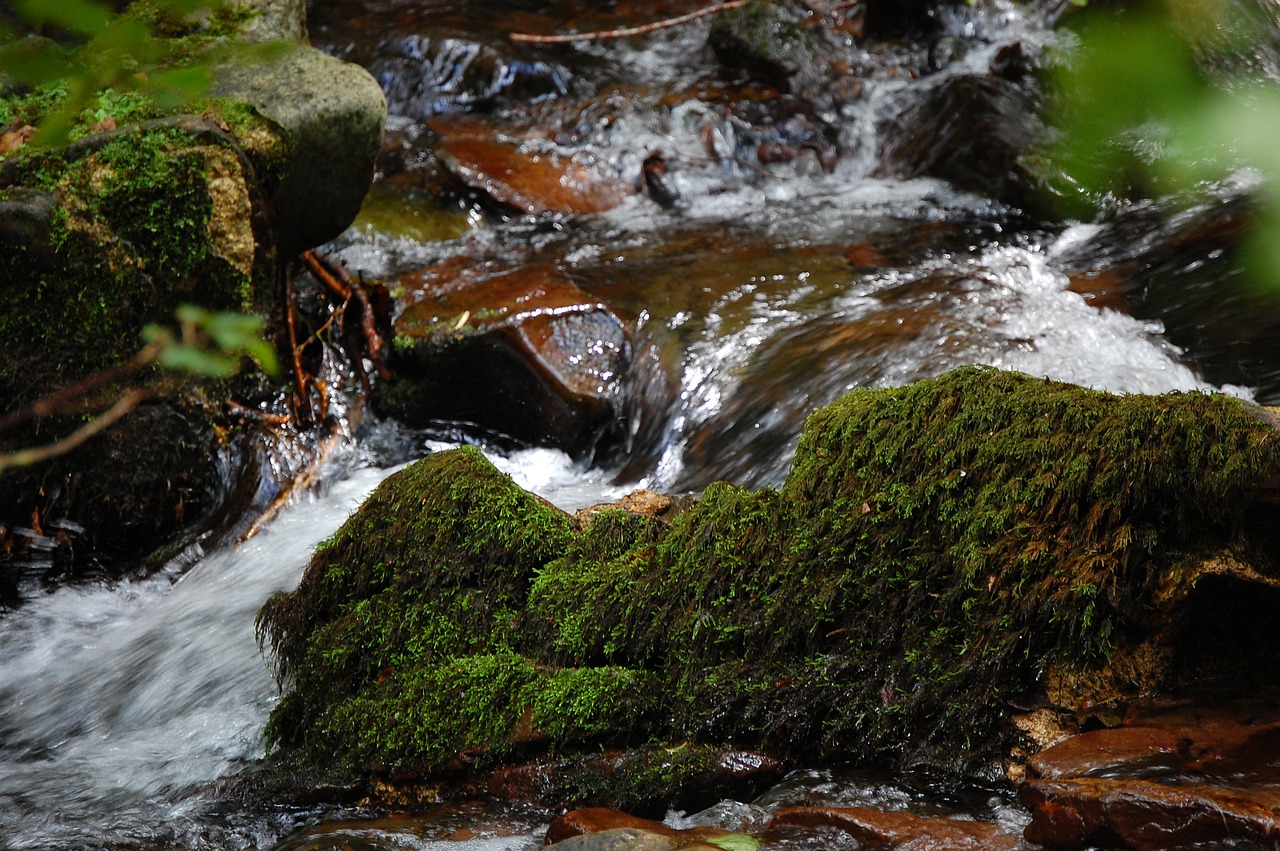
{"x": 145, "y": 206}
{"x": 111, "y": 233}
{"x": 940, "y": 554}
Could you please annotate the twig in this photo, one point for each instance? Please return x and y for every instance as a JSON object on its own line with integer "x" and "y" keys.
{"x": 27, "y": 457}
{"x": 72, "y": 397}
{"x": 644, "y": 29}
{"x": 335, "y": 279}
{"x": 295, "y": 354}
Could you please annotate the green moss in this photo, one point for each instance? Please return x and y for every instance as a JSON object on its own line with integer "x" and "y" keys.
{"x": 127, "y": 242}
{"x": 934, "y": 551}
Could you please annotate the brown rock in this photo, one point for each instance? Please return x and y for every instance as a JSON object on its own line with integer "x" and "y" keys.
{"x": 619, "y": 839}
{"x": 1238, "y": 742}
{"x": 598, "y": 819}
{"x": 543, "y": 360}
{"x": 1146, "y": 816}
{"x": 874, "y": 828}
{"x": 531, "y": 183}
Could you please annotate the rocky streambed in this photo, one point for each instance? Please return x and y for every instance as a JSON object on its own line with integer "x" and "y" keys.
{"x": 970, "y": 604}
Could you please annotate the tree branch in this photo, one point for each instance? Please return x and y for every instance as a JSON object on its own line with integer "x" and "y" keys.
{"x": 644, "y": 29}
{"x": 27, "y": 457}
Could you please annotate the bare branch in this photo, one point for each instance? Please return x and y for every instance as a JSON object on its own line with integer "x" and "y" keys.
{"x": 566, "y": 38}
{"x": 27, "y": 457}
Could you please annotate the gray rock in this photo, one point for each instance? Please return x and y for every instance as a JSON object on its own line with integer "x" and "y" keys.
{"x": 331, "y": 113}
{"x": 282, "y": 20}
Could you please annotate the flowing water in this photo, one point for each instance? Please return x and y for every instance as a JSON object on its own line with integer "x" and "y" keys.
{"x": 770, "y": 287}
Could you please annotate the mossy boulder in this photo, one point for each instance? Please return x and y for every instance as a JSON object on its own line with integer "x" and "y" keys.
{"x": 938, "y": 552}
{"x": 112, "y": 233}
{"x": 139, "y": 211}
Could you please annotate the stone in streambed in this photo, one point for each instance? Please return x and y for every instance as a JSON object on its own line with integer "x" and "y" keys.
{"x": 873, "y": 828}
{"x": 618, "y": 839}
{"x": 1140, "y": 815}
{"x": 1171, "y": 778}
{"x": 972, "y": 132}
{"x": 938, "y": 553}
{"x": 330, "y": 114}
{"x": 528, "y": 182}
{"x": 544, "y": 361}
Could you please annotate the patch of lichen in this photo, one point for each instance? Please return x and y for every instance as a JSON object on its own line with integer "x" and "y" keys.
{"x": 934, "y": 551}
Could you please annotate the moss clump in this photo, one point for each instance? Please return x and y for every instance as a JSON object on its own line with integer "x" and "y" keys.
{"x": 934, "y": 551}
{"x": 434, "y": 568}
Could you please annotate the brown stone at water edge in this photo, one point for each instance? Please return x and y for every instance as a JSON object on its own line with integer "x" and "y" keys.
{"x": 514, "y": 177}
{"x": 873, "y": 828}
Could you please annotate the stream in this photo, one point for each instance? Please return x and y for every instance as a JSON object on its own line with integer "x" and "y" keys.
{"x": 797, "y": 259}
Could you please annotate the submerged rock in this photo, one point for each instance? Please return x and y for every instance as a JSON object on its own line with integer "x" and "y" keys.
{"x": 1193, "y": 776}
{"x": 938, "y": 553}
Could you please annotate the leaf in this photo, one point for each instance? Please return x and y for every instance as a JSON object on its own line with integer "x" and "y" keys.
{"x": 735, "y": 842}
{"x": 84, "y": 17}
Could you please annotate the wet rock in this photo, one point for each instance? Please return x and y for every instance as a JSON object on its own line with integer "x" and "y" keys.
{"x": 897, "y": 18}
{"x": 1146, "y": 816}
{"x": 1167, "y": 777}
{"x": 106, "y": 236}
{"x": 971, "y": 132}
{"x": 425, "y": 76}
{"x": 645, "y": 780}
{"x": 618, "y": 839}
{"x": 598, "y": 819}
{"x": 526, "y": 181}
{"x": 331, "y": 114}
{"x": 1012, "y": 516}
{"x": 763, "y": 40}
{"x": 873, "y": 828}
{"x": 544, "y": 360}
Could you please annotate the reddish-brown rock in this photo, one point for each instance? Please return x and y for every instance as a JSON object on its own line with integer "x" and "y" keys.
{"x": 1164, "y": 779}
{"x": 528, "y": 181}
{"x": 600, "y": 819}
{"x": 1238, "y": 742}
{"x": 1145, "y": 816}
{"x": 873, "y": 828}
{"x": 543, "y": 360}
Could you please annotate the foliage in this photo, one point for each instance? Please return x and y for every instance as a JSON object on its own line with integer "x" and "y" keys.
{"x": 135, "y": 55}
{"x": 212, "y": 343}
{"x": 1169, "y": 95}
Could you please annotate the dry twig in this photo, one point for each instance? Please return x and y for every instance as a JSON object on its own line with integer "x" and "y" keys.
{"x": 628, "y": 32}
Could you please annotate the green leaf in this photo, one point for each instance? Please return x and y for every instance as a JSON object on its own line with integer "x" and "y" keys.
{"x": 198, "y": 361}
{"x": 735, "y": 842}
{"x": 84, "y": 17}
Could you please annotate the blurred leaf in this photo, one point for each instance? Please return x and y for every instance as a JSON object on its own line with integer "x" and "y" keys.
{"x": 170, "y": 89}
{"x": 84, "y": 17}
{"x": 34, "y": 61}
{"x": 198, "y": 361}
{"x": 735, "y": 842}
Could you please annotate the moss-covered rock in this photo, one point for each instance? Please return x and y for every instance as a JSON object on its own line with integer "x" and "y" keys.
{"x": 137, "y": 211}
{"x": 936, "y": 552}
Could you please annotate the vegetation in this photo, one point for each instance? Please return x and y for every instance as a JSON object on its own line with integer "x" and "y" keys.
{"x": 934, "y": 551}
{"x": 1166, "y": 97}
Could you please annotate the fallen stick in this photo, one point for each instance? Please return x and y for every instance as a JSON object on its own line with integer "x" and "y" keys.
{"x": 644, "y": 29}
